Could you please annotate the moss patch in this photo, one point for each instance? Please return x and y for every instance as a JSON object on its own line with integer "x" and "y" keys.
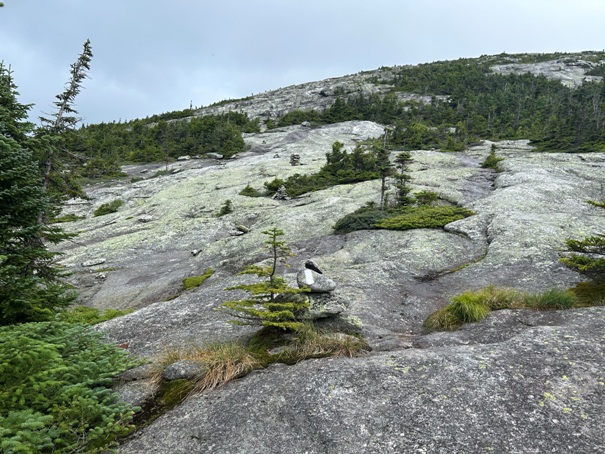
{"x": 196, "y": 281}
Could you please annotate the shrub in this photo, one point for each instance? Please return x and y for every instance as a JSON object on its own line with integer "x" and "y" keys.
{"x": 249, "y": 191}
{"x": 426, "y": 197}
{"x": 424, "y": 217}
{"x": 226, "y": 208}
{"x": 107, "y": 208}
{"x": 55, "y": 389}
{"x": 196, "y": 281}
{"x": 365, "y": 218}
{"x": 551, "y": 299}
{"x": 588, "y": 257}
{"x": 492, "y": 161}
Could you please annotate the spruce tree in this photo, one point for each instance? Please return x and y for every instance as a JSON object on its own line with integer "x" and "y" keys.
{"x": 30, "y": 289}
{"x": 402, "y": 179}
{"x": 385, "y": 168}
{"x": 58, "y": 177}
{"x": 271, "y": 302}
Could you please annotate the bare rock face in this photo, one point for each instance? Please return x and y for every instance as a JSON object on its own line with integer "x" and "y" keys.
{"x": 541, "y": 390}
{"x": 512, "y": 383}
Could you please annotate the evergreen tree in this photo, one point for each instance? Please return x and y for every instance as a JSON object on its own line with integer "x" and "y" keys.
{"x": 402, "y": 178}
{"x": 57, "y": 177}
{"x": 29, "y": 285}
{"x": 385, "y": 168}
{"x": 272, "y": 302}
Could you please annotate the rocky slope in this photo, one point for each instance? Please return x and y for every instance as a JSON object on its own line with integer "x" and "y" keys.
{"x": 518, "y": 381}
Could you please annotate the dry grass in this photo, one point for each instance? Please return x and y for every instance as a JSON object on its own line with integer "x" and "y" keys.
{"x": 310, "y": 343}
{"x": 224, "y": 362}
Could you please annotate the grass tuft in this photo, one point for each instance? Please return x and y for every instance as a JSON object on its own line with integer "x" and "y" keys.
{"x": 589, "y": 293}
{"x": 551, "y": 300}
{"x": 468, "y": 307}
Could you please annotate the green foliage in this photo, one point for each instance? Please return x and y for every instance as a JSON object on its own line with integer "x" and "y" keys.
{"x": 89, "y": 315}
{"x": 551, "y": 299}
{"x": 249, "y": 191}
{"x": 30, "y": 286}
{"x": 402, "y": 179}
{"x": 271, "y": 302}
{"x": 57, "y": 160}
{"x": 226, "y": 208}
{"x": 424, "y": 217}
{"x": 426, "y": 198}
{"x": 492, "y": 161}
{"x": 196, "y": 281}
{"x": 588, "y": 256}
{"x": 442, "y": 320}
{"x": 469, "y": 103}
{"x": 340, "y": 168}
{"x": 473, "y": 306}
{"x": 55, "y": 389}
{"x": 365, "y": 218}
{"x": 589, "y": 293}
{"x": 66, "y": 218}
{"x": 158, "y": 138}
{"x": 597, "y": 203}
{"x": 108, "y": 208}
{"x": 468, "y": 308}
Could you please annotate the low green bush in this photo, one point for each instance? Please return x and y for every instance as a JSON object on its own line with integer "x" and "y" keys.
{"x": 492, "y": 161}
{"x": 424, "y": 217}
{"x": 226, "y": 208}
{"x": 249, "y": 191}
{"x": 364, "y": 218}
{"x": 107, "y": 208}
{"x": 55, "y": 389}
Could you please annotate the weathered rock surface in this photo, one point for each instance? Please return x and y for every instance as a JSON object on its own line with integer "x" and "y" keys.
{"x": 542, "y": 390}
{"x": 519, "y": 381}
{"x": 524, "y": 214}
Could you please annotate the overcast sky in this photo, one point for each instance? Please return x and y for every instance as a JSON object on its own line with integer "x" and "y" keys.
{"x": 155, "y": 56}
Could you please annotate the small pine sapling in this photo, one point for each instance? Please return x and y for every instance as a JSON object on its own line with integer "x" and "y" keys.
{"x": 271, "y": 302}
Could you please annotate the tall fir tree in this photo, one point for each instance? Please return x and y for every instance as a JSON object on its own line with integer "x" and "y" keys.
{"x": 402, "y": 179}
{"x": 30, "y": 289}
{"x": 58, "y": 161}
{"x": 385, "y": 168}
